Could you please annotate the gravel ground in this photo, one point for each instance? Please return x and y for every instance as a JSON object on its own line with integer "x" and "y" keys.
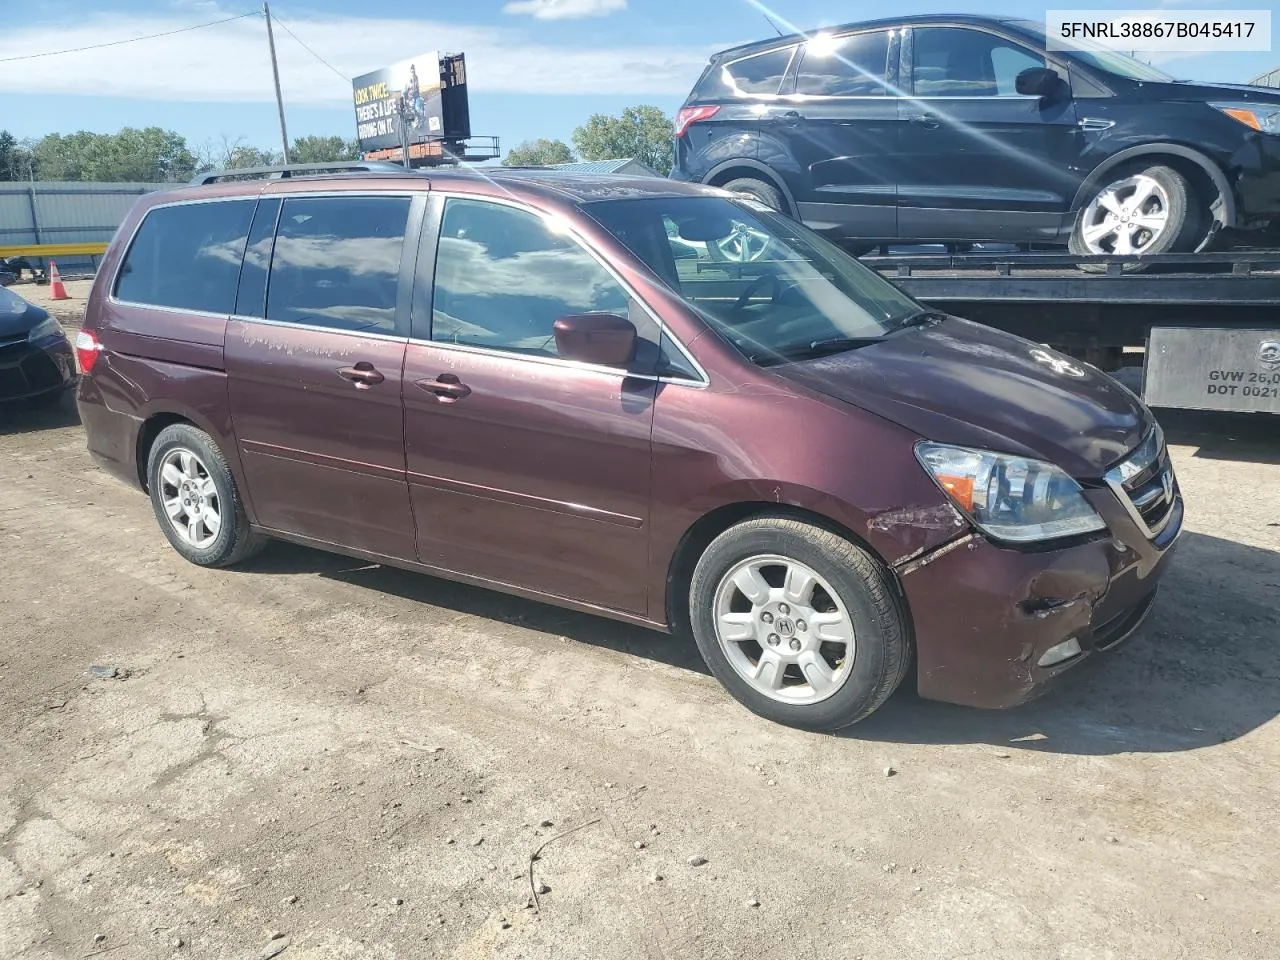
{"x": 312, "y": 757}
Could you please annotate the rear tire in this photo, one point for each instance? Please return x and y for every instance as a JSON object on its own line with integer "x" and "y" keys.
{"x": 196, "y": 501}
{"x": 823, "y": 641}
{"x": 1139, "y": 209}
{"x": 760, "y": 190}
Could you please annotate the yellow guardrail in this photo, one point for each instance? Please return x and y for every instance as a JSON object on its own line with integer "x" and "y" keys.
{"x": 46, "y": 250}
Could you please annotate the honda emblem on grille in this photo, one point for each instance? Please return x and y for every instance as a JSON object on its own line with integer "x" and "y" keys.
{"x": 1269, "y": 354}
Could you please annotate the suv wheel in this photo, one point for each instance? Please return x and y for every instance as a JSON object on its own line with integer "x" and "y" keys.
{"x": 1139, "y": 210}
{"x": 760, "y": 190}
{"x": 195, "y": 499}
{"x": 799, "y": 624}
{"x": 745, "y": 244}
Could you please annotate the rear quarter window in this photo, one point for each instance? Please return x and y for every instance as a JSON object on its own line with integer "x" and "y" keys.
{"x": 758, "y": 75}
{"x": 187, "y": 256}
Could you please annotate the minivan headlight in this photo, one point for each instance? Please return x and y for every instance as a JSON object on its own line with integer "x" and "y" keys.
{"x": 1264, "y": 117}
{"x": 1014, "y": 499}
{"x": 48, "y": 327}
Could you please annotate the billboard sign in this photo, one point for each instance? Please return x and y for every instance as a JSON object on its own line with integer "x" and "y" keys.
{"x": 406, "y": 93}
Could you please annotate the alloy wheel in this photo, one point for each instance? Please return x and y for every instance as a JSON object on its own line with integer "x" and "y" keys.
{"x": 190, "y": 498}
{"x": 1126, "y": 217}
{"x": 744, "y": 245}
{"x": 784, "y": 630}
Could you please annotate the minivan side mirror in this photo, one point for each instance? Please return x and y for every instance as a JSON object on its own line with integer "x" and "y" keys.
{"x": 1037, "y": 82}
{"x": 599, "y": 338}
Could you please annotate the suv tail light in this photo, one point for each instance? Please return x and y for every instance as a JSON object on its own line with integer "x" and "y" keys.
{"x": 87, "y": 350}
{"x": 691, "y": 115}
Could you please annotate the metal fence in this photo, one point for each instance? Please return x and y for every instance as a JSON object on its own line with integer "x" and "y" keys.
{"x": 48, "y": 212}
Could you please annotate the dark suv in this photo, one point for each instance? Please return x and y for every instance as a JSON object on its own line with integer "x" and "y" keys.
{"x": 963, "y": 128}
{"x": 550, "y": 385}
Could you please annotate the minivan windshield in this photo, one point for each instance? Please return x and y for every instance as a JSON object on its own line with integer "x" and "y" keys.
{"x": 1097, "y": 56}
{"x": 773, "y": 288}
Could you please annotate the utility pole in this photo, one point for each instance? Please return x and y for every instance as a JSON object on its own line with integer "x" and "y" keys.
{"x": 275, "y": 73}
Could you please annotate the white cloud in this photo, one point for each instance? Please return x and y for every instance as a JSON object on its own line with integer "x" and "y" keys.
{"x": 229, "y": 62}
{"x": 565, "y": 9}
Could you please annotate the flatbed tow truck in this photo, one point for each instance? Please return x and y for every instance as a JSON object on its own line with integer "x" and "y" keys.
{"x": 1198, "y": 331}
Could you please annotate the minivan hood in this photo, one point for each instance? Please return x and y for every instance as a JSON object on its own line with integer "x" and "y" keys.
{"x": 963, "y": 383}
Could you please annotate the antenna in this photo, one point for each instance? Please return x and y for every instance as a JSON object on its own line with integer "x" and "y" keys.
{"x": 772, "y": 24}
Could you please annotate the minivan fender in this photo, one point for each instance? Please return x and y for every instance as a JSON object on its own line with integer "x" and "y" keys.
{"x": 154, "y": 415}
{"x": 1224, "y": 207}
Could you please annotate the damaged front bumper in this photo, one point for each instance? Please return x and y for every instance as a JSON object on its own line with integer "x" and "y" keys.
{"x": 995, "y": 625}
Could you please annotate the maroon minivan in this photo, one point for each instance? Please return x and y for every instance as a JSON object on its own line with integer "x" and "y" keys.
{"x": 644, "y": 399}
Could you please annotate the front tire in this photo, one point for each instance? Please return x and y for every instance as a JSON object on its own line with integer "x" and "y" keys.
{"x": 800, "y": 625}
{"x": 1139, "y": 210}
{"x": 195, "y": 499}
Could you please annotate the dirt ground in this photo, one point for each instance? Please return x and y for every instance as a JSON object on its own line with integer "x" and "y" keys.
{"x": 359, "y": 763}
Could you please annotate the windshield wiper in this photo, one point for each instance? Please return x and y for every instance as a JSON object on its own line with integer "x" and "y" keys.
{"x": 825, "y": 347}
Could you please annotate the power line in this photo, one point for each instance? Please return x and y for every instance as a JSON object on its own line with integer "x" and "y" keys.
{"x": 283, "y": 26}
{"x": 116, "y": 43}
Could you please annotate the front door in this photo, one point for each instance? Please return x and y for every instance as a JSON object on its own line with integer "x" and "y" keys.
{"x": 841, "y": 127}
{"x": 525, "y": 468}
{"x": 978, "y": 160}
{"x": 314, "y": 360}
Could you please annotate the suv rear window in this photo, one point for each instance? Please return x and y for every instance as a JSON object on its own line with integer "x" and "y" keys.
{"x": 758, "y": 75}
{"x": 187, "y": 256}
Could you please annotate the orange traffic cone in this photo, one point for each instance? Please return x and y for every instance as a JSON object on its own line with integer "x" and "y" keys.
{"x": 57, "y": 289}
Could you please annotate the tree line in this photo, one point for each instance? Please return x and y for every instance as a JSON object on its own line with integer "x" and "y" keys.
{"x": 154, "y": 155}
{"x": 641, "y": 133}
{"x": 148, "y": 155}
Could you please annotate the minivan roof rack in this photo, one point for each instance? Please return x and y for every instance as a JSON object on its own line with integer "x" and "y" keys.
{"x": 299, "y": 170}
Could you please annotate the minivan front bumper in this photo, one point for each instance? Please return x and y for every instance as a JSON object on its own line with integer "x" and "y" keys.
{"x": 986, "y": 617}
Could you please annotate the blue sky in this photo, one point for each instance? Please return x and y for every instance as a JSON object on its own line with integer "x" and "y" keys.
{"x": 537, "y": 67}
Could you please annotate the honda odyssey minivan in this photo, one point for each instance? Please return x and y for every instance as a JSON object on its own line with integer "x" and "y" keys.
{"x": 549, "y": 384}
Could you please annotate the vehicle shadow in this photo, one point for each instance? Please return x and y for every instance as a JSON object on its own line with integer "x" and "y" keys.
{"x": 1240, "y": 438}
{"x": 24, "y": 416}
{"x": 286, "y": 558}
{"x": 1204, "y": 669}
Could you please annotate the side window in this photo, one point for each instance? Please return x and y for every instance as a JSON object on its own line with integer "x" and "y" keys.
{"x": 187, "y": 256}
{"x": 853, "y": 66}
{"x": 503, "y": 278}
{"x": 759, "y": 75}
{"x": 1007, "y": 61}
{"x": 336, "y": 262}
{"x": 954, "y": 62}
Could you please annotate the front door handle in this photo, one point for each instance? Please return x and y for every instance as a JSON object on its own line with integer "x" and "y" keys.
{"x": 790, "y": 118}
{"x": 926, "y": 121}
{"x": 446, "y": 386}
{"x": 363, "y": 375}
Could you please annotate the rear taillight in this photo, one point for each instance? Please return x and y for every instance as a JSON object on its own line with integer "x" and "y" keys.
{"x": 87, "y": 350}
{"x": 691, "y": 115}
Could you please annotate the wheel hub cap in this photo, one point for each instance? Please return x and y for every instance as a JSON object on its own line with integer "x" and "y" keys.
{"x": 1126, "y": 217}
{"x": 189, "y": 497}
{"x": 784, "y": 630}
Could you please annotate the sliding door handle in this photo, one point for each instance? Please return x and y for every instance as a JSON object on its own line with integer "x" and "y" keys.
{"x": 446, "y": 386}
{"x": 363, "y": 375}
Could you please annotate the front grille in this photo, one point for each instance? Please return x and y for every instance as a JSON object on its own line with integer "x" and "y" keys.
{"x": 1119, "y": 627}
{"x": 25, "y": 370}
{"x": 1145, "y": 484}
